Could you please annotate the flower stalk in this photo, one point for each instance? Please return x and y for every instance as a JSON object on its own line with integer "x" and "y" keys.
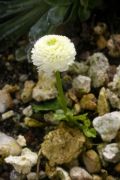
{"x": 61, "y": 96}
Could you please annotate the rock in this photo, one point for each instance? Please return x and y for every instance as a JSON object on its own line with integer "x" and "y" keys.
{"x": 107, "y": 125}
{"x": 96, "y": 177}
{"x": 23, "y": 163}
{"x": 78, "y": 173}
{"x": 28, "y": 111}
{"x": 23, "y": 77}
{"x": 72, "y": 95}
{"x": 8, "y": 115}
{"x": 62, "y": 174}
{"x": 113, "y": 99}
{"x": 58, "y": 145}
{"x": 45, "y": 88}
{"x": 100, "y": 28}
{"x": 110, "y": 178}
{"x": 92, "y": 161}
{"x": 101, "y": 42}
{"x": 20, "y": 54}
{"x": 98, "y": 66}
{"x": 8, "y": 146}
{"x": 11, "y": 88}
{"x": 113, "y": 45}
{"x": 88, "y": 102}
{"x": 117, "y": 168}
{"x": 115, "y": 84}
{"x": 81, "y": 84}
{"x": 111, "y": 152}
{"x": 21, "y": 140}
{"x": 26, "y": 94}
{"x": 102, "y": 104}
{"x": 31, "y": 176}
{"x": 78, "y": 68}
{"x": 6, "y": 101}
{"x": 15, "y": 175}
{"x": 30, "y": 122}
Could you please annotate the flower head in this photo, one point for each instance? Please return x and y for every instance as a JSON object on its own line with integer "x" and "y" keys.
{"x": 53, "y": 53}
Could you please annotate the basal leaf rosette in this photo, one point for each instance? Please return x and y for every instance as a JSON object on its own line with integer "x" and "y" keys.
{"x": 53, "y": 53}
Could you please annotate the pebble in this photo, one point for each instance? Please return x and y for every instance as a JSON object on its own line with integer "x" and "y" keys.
{"x": 26, "y": 94}
{"x": 92, "y": 161}
{"x": 88, "y": 101}
{"x": 8, "y": 146}
{"x": 98, "y": 67}
{"x": 28, "y": 111}
{"x": 45, "y": 88}
{"x": 117, "y": 167}
{"x": 6, "y": 101}
{"x": 15, "y": 175}
{"x": 78, "y": 173}
{"x": 96, "y": 177}
{"x": 111, "y": 152}
{"x": 107, "y": 125}
{"x": 8, "y": 115}
{"x": 82, "y": 84}
{"x": 102, "y": 104}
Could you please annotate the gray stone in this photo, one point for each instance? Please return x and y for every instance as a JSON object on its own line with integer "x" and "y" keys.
{"x": 92, "y": 161}
{"x": 5, "y": 101}
{"x": 107, "y": 125}
{"x": 45, "y": 88}
{"x": 102, "y": 104}
{"x": 58, "y": 145}
{"x": 78, "y": 173}
{"x": 82, "y": 84}
{"x": 113, "y": 99}
{"x": 28, "y": 111}
{"x": 8, "y": 114}
{"x": 8, "y": 146}
{"x": 78, "y": 68}
{"x": 111, "y": 152}
{"x": 115, "y": 84}
{"x": 98, "y": 66}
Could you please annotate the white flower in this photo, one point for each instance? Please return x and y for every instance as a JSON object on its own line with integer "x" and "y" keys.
{"x": 53, "y": 53}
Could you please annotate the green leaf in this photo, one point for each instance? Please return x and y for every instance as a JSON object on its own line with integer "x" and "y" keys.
{"x": 83, "y": 13}
{"x": 47, "y": 23}
{"x": 46, "y": 106}
{"x": 59, "y": 2}
{"x": 41, "y": 28}
{"x": 59, "y": 116}
{"x": 56, "y": 14}
{"x": 89, "y": 132}
{"x": 14, "y": 28}
{"x": 8, "y": 8}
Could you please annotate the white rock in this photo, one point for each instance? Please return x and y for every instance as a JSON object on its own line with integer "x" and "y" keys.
{"x": 8, "y": 114}
{"x": 111, "y": 152}
{"x": 8, "y": 146}
{"x": 23, "y": 163}
{"x": 21, "y": 141}
{"x": 5, "y": 101}
{"x": 107, "y": 125}
{"x": 78, "y": 173}
{"x": 115, "y": 84}
{"x": 45, "y": 88}
{"x": 28, "y": 111}
{"x": 98, "y": 66}
{"x": 26, "y": 95}
{"x": 82, "y": 84}
{"x": 62, "y": 174}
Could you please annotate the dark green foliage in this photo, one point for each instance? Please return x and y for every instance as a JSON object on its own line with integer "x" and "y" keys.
{"x": 39, "y": 17}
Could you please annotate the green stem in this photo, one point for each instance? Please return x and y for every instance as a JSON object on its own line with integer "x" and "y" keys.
{"x": 61, "y": 96}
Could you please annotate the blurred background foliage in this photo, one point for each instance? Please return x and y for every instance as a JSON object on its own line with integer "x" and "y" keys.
{"x": 40, "y": 17}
